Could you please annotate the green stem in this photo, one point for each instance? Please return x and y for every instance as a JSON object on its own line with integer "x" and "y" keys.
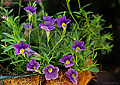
{"x": 38, "y": 38}
{"x": 68, "y": 5}
{"x": 42, "y": 10}
{"x": 29, "y": 37}
{"x": 29, "y": 30}
{"x": 1, "y": 8}
{"x": 20, "y": 1}
{"x": 25, "y": 57}
{"x": 48, "y": 42}
{"x": 79, "y": 4}
{"x": 89, "y": 25}
{"x": 64, "y": 31}
{"x": 39, "y": 72}
{"x": 70, "y": 11}
{"x": 32, "y": 21}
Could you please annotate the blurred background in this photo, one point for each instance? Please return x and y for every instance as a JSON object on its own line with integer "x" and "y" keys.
{"x": 110, "y": 11}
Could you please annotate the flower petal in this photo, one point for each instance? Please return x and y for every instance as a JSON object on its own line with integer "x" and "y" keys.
{"x": 21, "y": 43}
{"x": 50, "y": 27}
{"x": 17, "y": 52}
{"x": 25, "y": 46}
{"x": 74, "y": 81}
{"x": 76, "y": 42}
{"x": 81, "y": 43}
{"x": 73, "y": 46}
{"x": 54, "y": 75}
{"x": 83, "y": 48}
{"x": 16, "y": 46}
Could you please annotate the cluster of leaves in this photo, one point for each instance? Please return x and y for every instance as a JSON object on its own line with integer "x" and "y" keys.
{"x": 85, "y": 27}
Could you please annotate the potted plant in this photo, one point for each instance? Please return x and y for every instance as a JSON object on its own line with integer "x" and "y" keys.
{"x": 60, "y": 49}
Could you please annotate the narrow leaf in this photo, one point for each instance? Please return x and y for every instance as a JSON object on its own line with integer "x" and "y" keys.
{"x": 8, "y": 35}
{"x": 16, "y": 61}
{"x": 93, "y": 69}
{"x": 8, "y": 48}
{"x": 7, "y": 40}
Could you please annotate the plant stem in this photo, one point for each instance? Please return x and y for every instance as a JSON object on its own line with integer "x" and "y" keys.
{"x": 79, "y": 4}
{"x": 64, "y": 31}
{"x": 42, "y": 10}
{"x": 25, "y": 57}
{"x": 20, "y": 1}
{"x": 29, "y": 37}
{"x": 1, "y": 8}
{"x": 38, "y": 37}
{"x": 89, "y": 25}
{"x": 48, "y": 42}
{"x": 29, "y": 25}
{"x": 70, "y": 11}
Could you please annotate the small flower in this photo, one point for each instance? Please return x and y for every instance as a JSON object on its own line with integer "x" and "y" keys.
{"x": 20, "y": 49}
{"x": 72, "y": 75}
{"x": 4, "y": 17}
{"x": 62, "y": 22}
{"x": 48, "y": 20}
{"x": 67, "y": 60}
{"x": 78, "y": 46}
{"x": 39, "y": 1}
{"x": 47, "y": 28}
{"x": 27, "y": 30}
{"x": 33, "y": 65}
{"x": 50, "y": 72}
{"x": 31, "y": 10}
{"x": 31, "y": 52}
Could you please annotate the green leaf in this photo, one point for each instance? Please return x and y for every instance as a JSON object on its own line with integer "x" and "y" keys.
{"x": 47, "y": 58}
{"x": 8, "y": 35}
{"x": 86, "y": 5}
{"x": 7, "y": 40}
{"x": 10, "y": 11}
{"x": 16, "y": 61}
{"x": 5, "y": 59}
{"x": 75, "y": 67}
{"x": 8, "y": 48}
{"x": 93, "y": 69}
{"x": 22, "y": 39}
{"x": 95, "y": 55}
{"x": 86, "y": 62}
{"x": 36, "y": 58}
{"x": 16, "y": 18}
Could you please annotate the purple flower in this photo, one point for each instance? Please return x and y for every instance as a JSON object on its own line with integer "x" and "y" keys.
{"x": 39, "y": 1}
{"x": 72, "y": 75}
{"x": 50, "y": 72}
{"x": 33, "y": 65}
{"x": 4, "y": 17}
{"x": 31, "y": 52}
{"x": 62, "y": 22}
{"x": 47, "y": 28}
{"x": 48, "y": 20}
{"x": 78, "y": 46}
{"x": 20, "y": 49}
{"x": 67, "y": 60}
{"x": 31, "y": 10}
{"x": 27, "y": 30}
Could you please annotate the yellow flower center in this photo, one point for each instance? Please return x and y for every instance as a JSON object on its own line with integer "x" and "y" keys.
{"x": 22, "y": 50}
{"x": 67, "y": 62}
{"x": 73, "y": 75}
{"x": 63, "y": 24}
{"x": 77, "y": 48}
{"x": 50, "y": 70}
{"x": 34, "y": 67}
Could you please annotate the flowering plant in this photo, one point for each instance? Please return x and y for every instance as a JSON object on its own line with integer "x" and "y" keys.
{"x": 47, "y": 44}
